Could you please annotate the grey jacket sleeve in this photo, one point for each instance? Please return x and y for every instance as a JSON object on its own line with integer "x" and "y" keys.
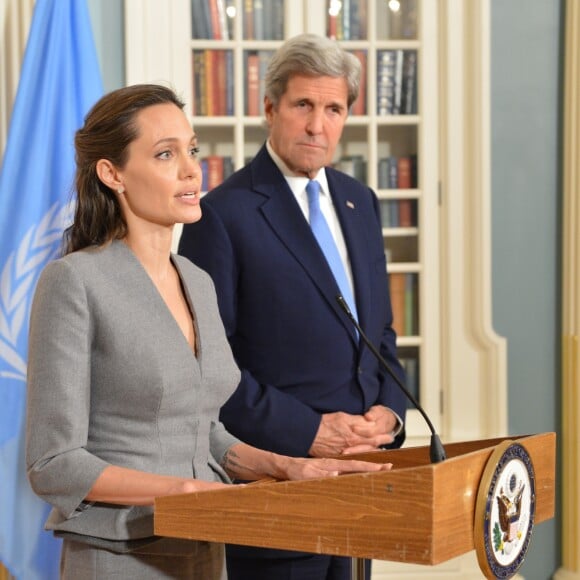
{"x": 60, "y": 469}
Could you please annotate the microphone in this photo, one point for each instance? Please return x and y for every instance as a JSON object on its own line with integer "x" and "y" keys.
{"x": 436, "y": 451}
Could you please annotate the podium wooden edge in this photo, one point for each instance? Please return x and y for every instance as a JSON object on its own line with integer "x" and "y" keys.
{"x": 419, "y": 512}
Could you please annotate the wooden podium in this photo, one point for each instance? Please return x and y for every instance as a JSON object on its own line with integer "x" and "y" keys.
{"x": 418, "y": 512}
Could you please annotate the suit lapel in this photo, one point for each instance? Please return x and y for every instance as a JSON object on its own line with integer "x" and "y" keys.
{"x": 286, "y": 219}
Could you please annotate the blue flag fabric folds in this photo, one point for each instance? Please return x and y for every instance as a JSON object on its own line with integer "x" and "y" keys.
{"x": 59, "y": 82}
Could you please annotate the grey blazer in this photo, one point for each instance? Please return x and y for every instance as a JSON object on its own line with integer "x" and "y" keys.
{"x": 113, "y": 381}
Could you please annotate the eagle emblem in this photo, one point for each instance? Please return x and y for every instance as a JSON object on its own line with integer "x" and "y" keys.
{"x": 505, "y": 511}
{"x": 509, "y": 504}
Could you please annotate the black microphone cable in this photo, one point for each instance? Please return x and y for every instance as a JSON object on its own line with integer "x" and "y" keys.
{"x": 436, "y": 451}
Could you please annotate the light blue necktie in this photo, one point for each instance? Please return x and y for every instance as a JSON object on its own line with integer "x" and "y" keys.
{"x": 326, "y": 242}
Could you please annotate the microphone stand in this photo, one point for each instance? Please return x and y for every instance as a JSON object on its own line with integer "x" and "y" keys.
{"x": 436, "y": 450}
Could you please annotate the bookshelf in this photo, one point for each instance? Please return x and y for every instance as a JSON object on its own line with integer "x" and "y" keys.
{"x": 444, "y": 249}
{"x": 390, "y": 140}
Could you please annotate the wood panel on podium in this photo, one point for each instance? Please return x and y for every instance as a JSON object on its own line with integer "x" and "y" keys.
{"x": 418, "y": 512}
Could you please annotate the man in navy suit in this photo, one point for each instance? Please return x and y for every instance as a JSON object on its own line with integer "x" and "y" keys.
{"x": 309, "y": 386}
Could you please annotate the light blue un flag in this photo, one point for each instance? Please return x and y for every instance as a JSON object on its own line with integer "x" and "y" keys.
{"x": 60, "y": 80}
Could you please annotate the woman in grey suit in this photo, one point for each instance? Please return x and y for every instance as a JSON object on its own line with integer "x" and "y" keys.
{"x": 128, "y": 360}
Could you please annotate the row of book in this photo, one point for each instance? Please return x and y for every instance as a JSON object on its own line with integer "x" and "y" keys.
{"x": 214, "y": 170}
{"x": 213, "y": 82}
{"x": 398, "y": 213}
{"x": 396, "y": 82}
{"x": 213, "y": 90}
{"x": 356, "y": 166}
{"x": 347, "y": 19}
{"x": 397, "y": 172}
{"x": 403, "y": 287}
{"x": 400, "y": 18}
{"x": 264, "y": 19}
{"x": 212, "y": 19}
{"x": 394, "y": 172}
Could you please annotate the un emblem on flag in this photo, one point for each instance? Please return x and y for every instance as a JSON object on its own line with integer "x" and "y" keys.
{"x": 505, "y": 509}
{"x": 41, "y": 243}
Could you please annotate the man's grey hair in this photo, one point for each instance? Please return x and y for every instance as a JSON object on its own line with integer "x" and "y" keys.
{"x": 311, "y": 55}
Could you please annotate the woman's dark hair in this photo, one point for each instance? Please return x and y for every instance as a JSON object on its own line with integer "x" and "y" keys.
{"x": 108, "y": 130}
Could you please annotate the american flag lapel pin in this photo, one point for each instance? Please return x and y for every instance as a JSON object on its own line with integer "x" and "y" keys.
{"x": 350, "y": 204}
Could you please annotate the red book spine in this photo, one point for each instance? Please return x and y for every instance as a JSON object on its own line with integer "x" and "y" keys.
{"x": 253, "y": 93}
{"x": 404, "y": 170}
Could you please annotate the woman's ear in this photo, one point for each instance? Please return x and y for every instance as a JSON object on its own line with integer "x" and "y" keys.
{"x": 109, "y": 175}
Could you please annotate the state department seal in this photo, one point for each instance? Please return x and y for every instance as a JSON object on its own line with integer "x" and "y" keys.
{"x": 504, "y": 512}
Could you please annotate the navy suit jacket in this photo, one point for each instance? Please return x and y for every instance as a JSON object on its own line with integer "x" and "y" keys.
{"x": 299, "y": 353}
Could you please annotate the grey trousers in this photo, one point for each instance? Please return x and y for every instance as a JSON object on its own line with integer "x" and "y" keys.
{"x": 166, "y": 559}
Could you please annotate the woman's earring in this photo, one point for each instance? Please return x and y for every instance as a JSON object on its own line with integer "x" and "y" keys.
{"x": 120, "y": 190}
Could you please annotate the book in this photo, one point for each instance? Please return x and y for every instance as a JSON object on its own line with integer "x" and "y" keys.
{"x": 209, "y": 96}
{"x": 410, "y": 303}
{"x": 194, "y": 86}
{"x": 216, "y": 31}
{"x": 248, "y": 20}
{"x": 277, "y": 20}
{"x": 404, "y": 172}
{"x": 398, "y": 83}
{"x": 397, "y": 285}
{"x": 414, "y": 171}
{"x": 393, "y": 175}
{"x": 332, "y": 26}
{"x": 346, "y": 19}
{"x": 230, "y": 10}
{"x": 394, "y": 17}
{"x": 215, "y": 171}
{"x": 408, "y": 24}
{"x": 253, "y": 84}
{"x": 199, "y": 84}
{"x": 405, "y": 213}
{"x": 383, "y": 173}
{"x": 362, "y": 19}
{"x": 402, "y": 19}
{"x": 229, "y": 56}
{"x": 385, "y": 213}
{"x": 264, "y": 57}
{"x": 259, "y": 20}
{"x": 359, "y": 107}
{"x": 394, "y": 213}
{"x": 224, "y": 30}
{"x": 409, "y": 88}
{"x": 354, "y": 20}
{"x": 386, "y": 60}
{"x": 200, "y": 19}
{"x": 218, "y": 82}
{"x": 203, "y": 165}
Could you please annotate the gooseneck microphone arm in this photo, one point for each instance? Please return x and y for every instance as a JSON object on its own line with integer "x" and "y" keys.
{"x": 436, "y": 452}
